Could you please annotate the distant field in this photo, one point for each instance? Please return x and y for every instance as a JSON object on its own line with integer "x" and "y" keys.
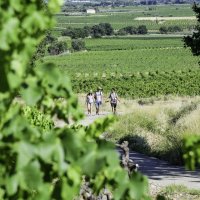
{"x": 125, "y": 61}
{"x": 137, "y": 66}
{"x": 165, "y": 18}
{"x": 120, "y": 19}
{"x": 154, "y": 10}
{"x": 108, "y": 44}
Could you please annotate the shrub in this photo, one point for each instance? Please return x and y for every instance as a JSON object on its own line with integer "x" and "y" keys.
{"x": 163, "y": 29}
{"x": 78, "y": 45}
{"x": 173, "y": 29}
{"x": 142, "y": 29}
{"x": 76, "y": 33}
{"x": 37, "y": 118}
{"x": 57, "y": 47}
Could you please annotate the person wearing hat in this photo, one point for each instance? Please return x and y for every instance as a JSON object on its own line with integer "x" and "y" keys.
{"x": 113, "y": 100}
{"x": 89, "y": 102}
{"x": 98, "y": 99}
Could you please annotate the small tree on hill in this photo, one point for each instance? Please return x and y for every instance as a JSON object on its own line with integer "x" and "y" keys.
{"x": 194, "y": 41}
{"x": 108, "y": 29}
{"x": 57, "y": 47}
{"x": 174, "y": 29}
{"x": 163, "y": 30}
{"x": 78, "y": 45}
{"x": 131, "y": 30}
{"x": 142, "y": 29}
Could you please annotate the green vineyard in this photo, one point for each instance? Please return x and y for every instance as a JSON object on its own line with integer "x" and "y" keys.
{"x": 136, "y": 67}
{"x": 125, "y": 61}
{"x": 127, "y": 43}
{"x": 65, "y": 22}
{"x": 142, "y": 85}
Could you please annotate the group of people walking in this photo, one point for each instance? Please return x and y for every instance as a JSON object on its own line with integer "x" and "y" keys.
{"x": 97, "y": 99}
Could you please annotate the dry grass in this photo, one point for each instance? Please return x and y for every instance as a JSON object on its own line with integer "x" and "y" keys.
{"x": 158, "y": 129}
{"x": 178, "y": 192}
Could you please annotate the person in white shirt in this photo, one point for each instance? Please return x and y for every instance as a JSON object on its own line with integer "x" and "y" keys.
{"x": 98, "y": 99}
{"x": 89, "y": 102}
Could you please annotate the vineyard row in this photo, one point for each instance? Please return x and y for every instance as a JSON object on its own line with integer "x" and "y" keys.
{"x": 144, "y": 85}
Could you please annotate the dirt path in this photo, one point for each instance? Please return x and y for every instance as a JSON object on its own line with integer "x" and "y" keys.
{"x": 160, "y": 173}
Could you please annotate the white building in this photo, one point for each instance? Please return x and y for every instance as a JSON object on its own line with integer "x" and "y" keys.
{"x": 91, "y": 11}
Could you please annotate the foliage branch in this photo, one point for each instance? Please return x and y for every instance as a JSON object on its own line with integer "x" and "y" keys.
{"x": 194, "y": 41}
{"x": 40, "y": 163}
{"x": 192, "y": 142}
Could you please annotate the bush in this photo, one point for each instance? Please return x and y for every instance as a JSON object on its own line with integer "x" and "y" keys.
{"x": 76, "y": 33}
{"x": 78, "y": 45}
{"x": 133, "y": 30}
{"x": 121, "y": 32}
{"x": 174, "y": 29}
{"x": 37, "y": 118}
{"x": 94, "y": 31}
{"x": 57, "y": 47}
{"x": 142, "y": 29}
{"x": 163, "y": 29}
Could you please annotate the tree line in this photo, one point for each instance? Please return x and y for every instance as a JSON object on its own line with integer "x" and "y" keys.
{"x": 170, "y": 29}
{"x": 102, "y": 29}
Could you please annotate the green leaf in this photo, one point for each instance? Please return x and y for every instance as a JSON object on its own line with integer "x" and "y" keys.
{"x": 31, "y": 177}
{"x": 2, "y": 192}
{"x": 26, "y": 153}
{"x": 14, "y": 80}
{"x": 69, "y": 191}
{"x": 12, "y": 184}
{"x": 7, "y": 36}
{"x": 74, "y": 174}
{"x": 33, "y": 92}
{"x": 44, "y": 192}
{"x": 54, "y": 5}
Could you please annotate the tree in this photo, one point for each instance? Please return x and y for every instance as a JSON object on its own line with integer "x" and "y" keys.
{"x": 75, "y": 33}
{"x": 194, "y": 41}
{"x": 142, "y": 29}
{"x": 57, "y": 47}
{"x": 41, "y": 48}
{"x": 107, "y": 28}
{"x": 192, "y": 142}
{"x": 78, "y": 44}
{"x": 130, "y": 30}
{"x": 38, "y": 163}
{"x": 121, "y": 32}
{"x": 163, "y": 29}
{"x": 87, "y": 30}
{"x": 173, "y": 29}
{"x": 97, "y": 31}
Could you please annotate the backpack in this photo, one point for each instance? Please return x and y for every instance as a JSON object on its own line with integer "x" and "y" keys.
{"x": 113, "y": 97}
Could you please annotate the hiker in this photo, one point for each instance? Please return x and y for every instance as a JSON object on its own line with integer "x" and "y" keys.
{"x": 113, "y": 100}
{"x": 98, "y": 99}
{"x": 89, "y": 102}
